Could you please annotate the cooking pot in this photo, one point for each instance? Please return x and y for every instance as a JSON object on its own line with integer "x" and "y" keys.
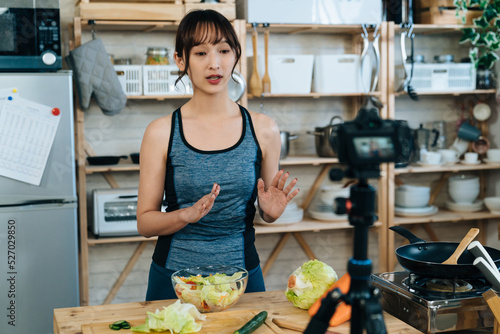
{"x": 285, "y": 143}
{"x": 323, "y": 146}
{"x": 105, "y": 160}
{"x": 425, "y": 258}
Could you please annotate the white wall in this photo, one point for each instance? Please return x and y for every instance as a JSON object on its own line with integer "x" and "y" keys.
{"x": 121, "y": 134}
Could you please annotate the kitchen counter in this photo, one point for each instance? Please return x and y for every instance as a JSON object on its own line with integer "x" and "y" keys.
{"x": 94, "y": 319}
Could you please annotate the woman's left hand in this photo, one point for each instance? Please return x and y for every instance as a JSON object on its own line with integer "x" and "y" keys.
{"x": 274, "y": 200}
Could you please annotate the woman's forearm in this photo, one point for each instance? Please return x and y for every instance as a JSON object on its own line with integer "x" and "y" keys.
{"x": 156, "y": 223}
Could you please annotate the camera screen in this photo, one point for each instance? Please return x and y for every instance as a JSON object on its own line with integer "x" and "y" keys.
{"x": 374, "y": 147}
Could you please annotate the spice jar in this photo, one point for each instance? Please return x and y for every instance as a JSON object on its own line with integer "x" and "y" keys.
{"x": 157, "y": 56}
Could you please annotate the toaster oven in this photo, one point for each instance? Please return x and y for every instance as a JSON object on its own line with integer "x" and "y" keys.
{"x": 115, "y": 212}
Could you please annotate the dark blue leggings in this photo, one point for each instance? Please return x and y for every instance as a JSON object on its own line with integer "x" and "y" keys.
{"x": 160, "y": 283}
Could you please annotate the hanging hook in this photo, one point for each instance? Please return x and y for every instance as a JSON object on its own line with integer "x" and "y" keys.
{"x": 93, "y": 29}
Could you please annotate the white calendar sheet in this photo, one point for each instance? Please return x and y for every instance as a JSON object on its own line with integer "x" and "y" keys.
{"x": 27, "y": 132}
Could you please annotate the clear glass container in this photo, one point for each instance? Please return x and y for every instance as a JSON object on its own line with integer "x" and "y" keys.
{"x": 157, "y": 56}
{"x": 485, "y": 79}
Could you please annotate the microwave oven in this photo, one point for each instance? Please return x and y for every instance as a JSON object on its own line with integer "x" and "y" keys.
{"x": 115, "y": 212}
{"x": 30, "y": 36}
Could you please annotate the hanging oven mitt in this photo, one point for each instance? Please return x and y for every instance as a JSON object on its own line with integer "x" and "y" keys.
{"x": 95, "y": 74}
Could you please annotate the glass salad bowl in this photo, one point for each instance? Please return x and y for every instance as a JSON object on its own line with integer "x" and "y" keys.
{"x": 210, "y": 288}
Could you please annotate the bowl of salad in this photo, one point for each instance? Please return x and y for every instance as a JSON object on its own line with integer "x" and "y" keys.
{"x": 210, "y": 288}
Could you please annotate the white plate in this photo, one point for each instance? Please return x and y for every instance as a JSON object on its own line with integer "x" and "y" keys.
{"x": 416, "y": 212}
{"x": 472, "y": 207}
{"x": 491, "y": 162}
{"x": 424, "y": 164}
{"x": 470, "y": 163}
{"x": 327, "y": 216}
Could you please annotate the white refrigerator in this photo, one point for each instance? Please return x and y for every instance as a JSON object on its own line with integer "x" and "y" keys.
{"x": 38, "y": 223}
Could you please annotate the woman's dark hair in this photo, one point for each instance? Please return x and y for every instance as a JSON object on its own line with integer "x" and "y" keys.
{"x": 204, "y": 26}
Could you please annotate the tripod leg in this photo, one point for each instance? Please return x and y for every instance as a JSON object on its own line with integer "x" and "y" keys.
{"x": 374, "y": 315}
{"x": 320, "y": 321}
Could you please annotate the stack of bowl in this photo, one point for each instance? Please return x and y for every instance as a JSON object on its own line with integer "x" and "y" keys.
{"x": 413, "y": 201}
{"x": 464, "y": 190}
{"x": 322, "y": 206}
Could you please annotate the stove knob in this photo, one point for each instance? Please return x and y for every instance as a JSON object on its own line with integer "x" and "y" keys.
{"x": 49, "y": 58}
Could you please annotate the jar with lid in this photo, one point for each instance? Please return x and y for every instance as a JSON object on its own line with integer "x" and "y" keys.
{"x": 157, "y": 56}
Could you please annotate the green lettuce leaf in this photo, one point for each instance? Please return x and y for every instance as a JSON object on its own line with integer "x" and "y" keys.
{"x": 311, "y": 280}
{"x": 176, "y": 318}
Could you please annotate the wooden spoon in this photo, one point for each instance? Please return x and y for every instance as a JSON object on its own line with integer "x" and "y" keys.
{"x": 473, "y": 232}
{"x": 266, "y": 80}
{"x": 255, "y": 83}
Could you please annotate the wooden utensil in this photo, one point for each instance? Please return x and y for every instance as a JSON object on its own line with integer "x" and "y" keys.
{"x": 255, "y": 83}
{"x": 473, "y": 232}
{"x": 266, "y": 80}
{"x": 294, "y": 326}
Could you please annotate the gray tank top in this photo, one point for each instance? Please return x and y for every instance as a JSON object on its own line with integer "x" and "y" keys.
{"x": 226, "y": 234}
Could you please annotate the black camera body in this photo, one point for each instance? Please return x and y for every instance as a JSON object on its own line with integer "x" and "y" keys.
{"x": 368, "y": 140}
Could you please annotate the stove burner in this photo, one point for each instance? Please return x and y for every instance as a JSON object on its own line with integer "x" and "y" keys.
{"x": 446, "y": 288}
{"x": 448, "y": 285}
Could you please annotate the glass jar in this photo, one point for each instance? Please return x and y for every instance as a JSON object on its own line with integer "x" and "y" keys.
{"x": 123, "y": 61}
{"x": 485, "y": 79}
{"x": 157, "y": 56}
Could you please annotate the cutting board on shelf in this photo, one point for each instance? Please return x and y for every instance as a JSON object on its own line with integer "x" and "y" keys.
{"x": 225, "y": 322}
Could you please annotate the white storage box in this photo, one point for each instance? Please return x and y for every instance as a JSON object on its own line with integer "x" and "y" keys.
{"x": 290, "y": 74}
{"x": 130, "y": 78}
{"x": 160, "y": 80}
{"x": 340, "y": 74}
{"x": 435, "y": 77}
{"x": 310, "y": 11}
{"x": 182, "y": 87}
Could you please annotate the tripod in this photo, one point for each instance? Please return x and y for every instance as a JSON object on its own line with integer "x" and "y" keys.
{"x": 364, "y": 299}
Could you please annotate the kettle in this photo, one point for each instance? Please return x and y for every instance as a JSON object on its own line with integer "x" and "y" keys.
{"x": 423, "y": 141}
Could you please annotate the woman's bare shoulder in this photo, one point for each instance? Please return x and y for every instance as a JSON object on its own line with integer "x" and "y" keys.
{"x": 160, "y": 127}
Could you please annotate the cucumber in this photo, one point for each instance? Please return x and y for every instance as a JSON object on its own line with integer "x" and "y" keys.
{"x": 253, "y": 324}
{"x": 120, "y": 324}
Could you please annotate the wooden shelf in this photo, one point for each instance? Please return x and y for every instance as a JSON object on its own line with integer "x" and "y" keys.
{"x": 428, "y": 29}
{"x": 477, "y": 91}
{"x": 276, "y": 28}
{"x": 308, "y": 224}
{"x": 159, "y": 97}
{"x": 289, "y": 161}
{"x": 445, "y": 215}
{"x": 313, "y": 95}
{"x": 445, "y": 168}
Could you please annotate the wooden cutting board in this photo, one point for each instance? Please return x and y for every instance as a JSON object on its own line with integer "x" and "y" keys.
{"x": 225, "y": 322}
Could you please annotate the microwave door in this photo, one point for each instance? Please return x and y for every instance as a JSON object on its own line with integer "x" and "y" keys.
{"x": 17, "y": 38}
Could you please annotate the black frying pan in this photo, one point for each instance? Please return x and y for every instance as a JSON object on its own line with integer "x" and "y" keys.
{"x": 425, "y": 258}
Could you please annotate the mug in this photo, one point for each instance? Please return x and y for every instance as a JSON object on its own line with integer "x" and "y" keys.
{"x": 468, "y": 132}
{"x": 493, "y": 154}
{"x": 431, "y": 158}
{"x": 460, "y": 146}
{"x": 449, "y": 155}
{"x": 470, "y": 157}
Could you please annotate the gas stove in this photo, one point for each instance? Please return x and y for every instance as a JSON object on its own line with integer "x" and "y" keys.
{"x": 434, "y": 305}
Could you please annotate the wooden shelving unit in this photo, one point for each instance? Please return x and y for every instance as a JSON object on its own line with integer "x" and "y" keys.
{"x": 443, "y": 215}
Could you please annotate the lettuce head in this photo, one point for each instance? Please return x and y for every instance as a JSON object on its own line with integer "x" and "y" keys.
{"x": 308, "y": 282}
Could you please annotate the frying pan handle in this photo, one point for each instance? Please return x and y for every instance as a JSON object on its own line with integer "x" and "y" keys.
{"x": 413, "y": 239}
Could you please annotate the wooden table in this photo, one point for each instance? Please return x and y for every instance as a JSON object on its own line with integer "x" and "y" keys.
{"x": 94, "y": 319}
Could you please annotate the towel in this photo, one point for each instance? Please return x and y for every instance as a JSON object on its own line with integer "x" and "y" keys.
{"x": 95, "y": 74}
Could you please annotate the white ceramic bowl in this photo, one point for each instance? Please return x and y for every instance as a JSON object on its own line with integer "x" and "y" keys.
{"x": 464, "y": 195}
{"x": 492, "y": 203}
{"x": 408, "y": 196}
{"x": 328, "y": 193}
{"x": 463, "y": 179}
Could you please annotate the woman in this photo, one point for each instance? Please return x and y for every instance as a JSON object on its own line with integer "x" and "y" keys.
{"x": 211, "y": 159}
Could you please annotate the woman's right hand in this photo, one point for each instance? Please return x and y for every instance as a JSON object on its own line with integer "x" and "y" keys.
{"x": 194, "y": 213}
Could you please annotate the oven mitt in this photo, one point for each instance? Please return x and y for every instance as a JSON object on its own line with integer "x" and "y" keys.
{"x": 95, "y": 74}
